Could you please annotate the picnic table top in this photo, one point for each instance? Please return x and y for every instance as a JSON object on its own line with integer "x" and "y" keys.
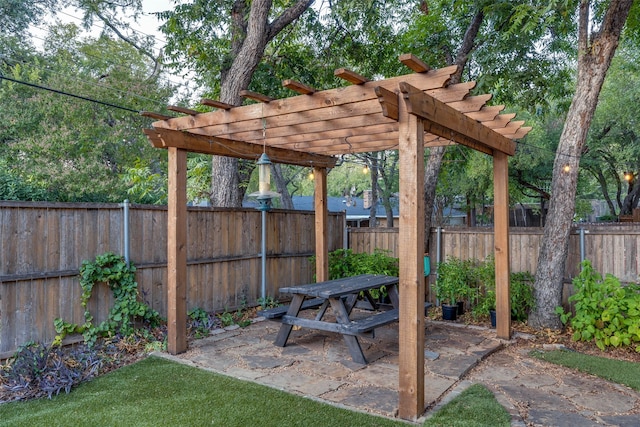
{"x": 344, "y": 286}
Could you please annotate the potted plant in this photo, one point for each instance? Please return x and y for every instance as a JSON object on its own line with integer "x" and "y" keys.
{"x": 452, "y": 286}
{"x": 486, "y": 305}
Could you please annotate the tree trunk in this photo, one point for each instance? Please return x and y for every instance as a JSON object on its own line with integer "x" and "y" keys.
{"x": 631, "y": 201}
{"x": 281, "y": 185}
{"x": 431, "y": 171}
{"x": 373, "y": 209}
{"x": 597, "y": 173}
{"x": 389, "y": 212}
{"x": 250, "y": 34}
{"x": 432, "y": 168}
{"x": 594, "y": 58}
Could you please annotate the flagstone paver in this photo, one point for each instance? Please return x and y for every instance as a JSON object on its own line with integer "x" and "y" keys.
{"x": 318, "y": 365}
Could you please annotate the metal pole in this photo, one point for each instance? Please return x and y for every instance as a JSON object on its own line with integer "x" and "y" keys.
{"x": 582, "y": 251}
{"x": 438, "y": 254}
{"x": 126, "y": 237}
{"x": 264, "y": 256}
{"x": 438, "y": 244}
{"x": 345, "y": 231}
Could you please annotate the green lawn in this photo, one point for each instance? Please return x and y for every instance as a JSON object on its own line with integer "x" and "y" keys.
{"x": 474, "y": 407}
{"x": 619, "y": 371}
{"x": 159, "y": 392}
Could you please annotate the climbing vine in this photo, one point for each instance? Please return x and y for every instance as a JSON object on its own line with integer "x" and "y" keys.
{"x": 112, "y": 270}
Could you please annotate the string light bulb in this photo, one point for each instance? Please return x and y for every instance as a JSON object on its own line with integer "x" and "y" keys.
{"x": 365, "y": 169}
{"x": 311, "y": 175}
{"x": 628, "y": 176}
{"x": 566, "y": 168}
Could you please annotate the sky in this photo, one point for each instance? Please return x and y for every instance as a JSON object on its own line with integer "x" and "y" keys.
{"x": 147, "y": 24}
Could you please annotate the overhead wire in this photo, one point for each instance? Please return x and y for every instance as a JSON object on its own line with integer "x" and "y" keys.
{"x": 548, "y": 150}
{"x": 91, "y": 83}
{"x": 60, "y": 92}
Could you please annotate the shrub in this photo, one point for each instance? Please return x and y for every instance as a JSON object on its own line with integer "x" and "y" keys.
{"x": 486, "y": 289}
{"x": 346, "y": 263}
{"x": 456, "y": 280}
{"x": 522, "y": 298}
{"x": 605, "y": 311}
{"x": 37, "y": 371}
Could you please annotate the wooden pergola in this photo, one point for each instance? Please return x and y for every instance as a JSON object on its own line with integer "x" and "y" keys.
{"x": 405, "y": 113}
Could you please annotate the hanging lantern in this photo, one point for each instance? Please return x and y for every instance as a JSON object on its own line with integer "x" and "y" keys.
{"x": 264, "y": 173}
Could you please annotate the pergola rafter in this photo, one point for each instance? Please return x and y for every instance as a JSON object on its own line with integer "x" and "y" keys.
{"x": 404, "y": 113}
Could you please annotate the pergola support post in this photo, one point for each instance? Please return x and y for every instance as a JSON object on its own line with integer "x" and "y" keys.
{"x": 321, "y": 220}
{"x": 501, "y": 243}
{"x": 411, "y": 249}
{"x": 177, "y": 252}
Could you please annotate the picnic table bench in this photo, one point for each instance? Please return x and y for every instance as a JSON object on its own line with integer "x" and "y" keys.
{"x": 341, "y": 295}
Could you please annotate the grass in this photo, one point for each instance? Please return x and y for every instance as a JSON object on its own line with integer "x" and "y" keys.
{"x": 476, "y": 406}
{"x": 619, "y": 371}
{"x": 159, "y": 392}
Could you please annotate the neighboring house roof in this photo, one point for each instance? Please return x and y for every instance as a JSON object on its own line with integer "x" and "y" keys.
{"x": 355, "y": 210}
{"x": 353, "y": 207}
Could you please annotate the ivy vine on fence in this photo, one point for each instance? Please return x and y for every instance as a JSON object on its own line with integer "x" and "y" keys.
{"x": 112, "y": 270}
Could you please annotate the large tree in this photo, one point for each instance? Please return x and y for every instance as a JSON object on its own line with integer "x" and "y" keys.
{"x": 606, "y": 20}
{"x": 228, "y": 38}
{"x": 71, "y": 147}
{"x": 490, "y": 45}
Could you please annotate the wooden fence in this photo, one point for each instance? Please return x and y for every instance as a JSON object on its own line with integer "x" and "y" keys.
{"x": 611, "y": 248}
{"x": 42, "y": 246}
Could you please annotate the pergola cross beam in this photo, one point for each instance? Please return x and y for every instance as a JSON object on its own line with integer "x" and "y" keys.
{"x": 447, "y": 122}
{"x": 165, "y": 138}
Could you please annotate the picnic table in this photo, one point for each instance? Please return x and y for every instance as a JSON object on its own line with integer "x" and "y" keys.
{"x": 341, "y": 295}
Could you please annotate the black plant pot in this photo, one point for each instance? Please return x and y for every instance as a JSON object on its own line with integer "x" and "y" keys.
{"x": 460, "y": 308}
{"x": 492, "y": 314}
{"x": 449, "y": 312}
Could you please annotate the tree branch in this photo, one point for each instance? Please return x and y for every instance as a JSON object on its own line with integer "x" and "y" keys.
{"x": 156, "y": 63}
{"x": 467, "y": 45}
{"x": 583, "y": 27}
{"x": 287, "y": 17}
